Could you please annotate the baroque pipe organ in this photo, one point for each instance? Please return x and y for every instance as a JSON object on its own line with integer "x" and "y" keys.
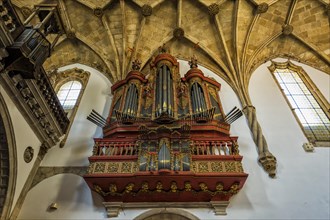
{"x": 166, "y": 141}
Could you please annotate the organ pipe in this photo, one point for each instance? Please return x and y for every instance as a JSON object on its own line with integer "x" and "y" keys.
{"x": 126, "y": 100}
{"x": 133, "y": 102}
{"x": 134, "y": 109}
{"x": 136, "y": 102}
{"x": 169, "y": 94}
{"x": 195, "y": 98}
{"x": 164, "y": 89}
{"x": 160, "y": 89}
{"x": 130, "y": 94}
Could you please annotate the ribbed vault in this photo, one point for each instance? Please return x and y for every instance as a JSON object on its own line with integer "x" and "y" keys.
{"x": 230, "y": 37}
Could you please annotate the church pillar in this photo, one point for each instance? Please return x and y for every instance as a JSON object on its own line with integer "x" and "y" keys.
{"x": 266, "y": 158}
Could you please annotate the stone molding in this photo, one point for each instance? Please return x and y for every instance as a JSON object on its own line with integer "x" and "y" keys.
{"x": 47, "y": 172}
{"x": 113, "y": 208}
{"x": 12, "y": 170}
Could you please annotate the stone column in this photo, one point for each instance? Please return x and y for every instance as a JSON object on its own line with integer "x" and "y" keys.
{"x": 266, "y": 158}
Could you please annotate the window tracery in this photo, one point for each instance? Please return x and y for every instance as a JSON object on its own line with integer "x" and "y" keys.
{"x": 307, "y": 103}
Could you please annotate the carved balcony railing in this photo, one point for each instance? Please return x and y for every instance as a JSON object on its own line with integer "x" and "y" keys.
{"x": 114, "y": 149}
{"x": 214, "y": 148}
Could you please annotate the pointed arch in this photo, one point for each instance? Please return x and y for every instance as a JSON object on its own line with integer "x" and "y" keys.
{"x": 8, "y": 146}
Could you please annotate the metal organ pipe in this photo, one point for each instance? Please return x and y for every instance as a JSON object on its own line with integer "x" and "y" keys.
{"x": 160, "y": 89}
{"x": 168, "y": 87}
{"x": 136, "y": 102}
{"x": 202, "y": 98}
{"x": 126, "y": 100}
{"x": 129, "y": 100}
{"x": 134, "y": 108}
{"x": 198, "y": 98}
{"x": 171, "y": 98}
{"x": 132, "y": 102}
{"x": 164, "y": 87}
{"x": 195, "y": 97}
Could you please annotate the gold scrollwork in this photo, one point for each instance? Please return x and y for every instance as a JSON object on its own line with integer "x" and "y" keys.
{"x": 113, "y": 167}
{"x": 126, "y": 167}
{"x": 230, "y": 167}
{"x": 99, "y": 168}
{"x": 203, "y": 167}
{"x": 217, "y": 166}
{"x": 204, "y": 188}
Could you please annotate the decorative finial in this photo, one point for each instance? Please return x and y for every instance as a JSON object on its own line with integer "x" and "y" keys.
{"x": 193, "y": 62}
{"x": 136, "y": 64}
{"x": 162, "y": 49}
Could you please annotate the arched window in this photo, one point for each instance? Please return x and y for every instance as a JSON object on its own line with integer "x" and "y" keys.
{"x": 70, "y": 86}
{"x": 69, "y": 93}
{"x": 308, "y": 105}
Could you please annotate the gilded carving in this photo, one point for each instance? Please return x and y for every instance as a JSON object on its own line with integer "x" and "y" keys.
{"x": 159, "y": 187}
{"x": 145, "y": 187}
{"x": 113, "y": 167}
{"x": 187, "y": 186}
{"x": 174, "y": 187}
{"x": 99, "y": 190}
{"x": 126, "y": 167}
{"x": 90, "y": 168}
{"x": 219, "y": 187}
{"x": 203, "y": 167}
{"x": 235, "y": 150}
{"x": 99, "y": 168}
{"x": 182, "y": 94}
{"x": 203, "y": 188}
{"x": 230, "y": 167}
{"x": 234, "y": 188}
{"x": 112, "y": 189}
{"x": 213, "y": 92}
{"x": 193, "y": 62}
{"x": 129, "y": 188}
{"x": 216, "y": 167}
{"x": 239, "y": 167}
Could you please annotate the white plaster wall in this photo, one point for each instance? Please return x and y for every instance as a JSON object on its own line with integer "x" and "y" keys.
{"x": 24, "y": 137}
{"x": 79, "y": 144}
{"x": 72, "y": 195}
{"x": 299, "y": 191}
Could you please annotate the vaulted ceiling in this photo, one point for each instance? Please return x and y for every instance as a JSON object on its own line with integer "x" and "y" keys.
{"x": 230, "y": 37}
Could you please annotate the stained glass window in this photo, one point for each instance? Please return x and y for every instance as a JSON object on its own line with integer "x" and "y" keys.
{"x": 68, "y": 94}
{"x": 312, "y": 117}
